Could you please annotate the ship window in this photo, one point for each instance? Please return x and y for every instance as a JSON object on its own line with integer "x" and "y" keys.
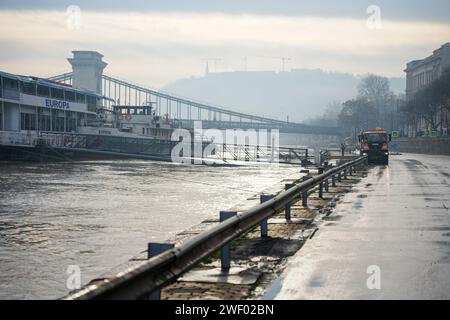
{"x": 43, "y": 91}
{"x": 91, "y": 103}
{"x": 69, "y": 95}
{"x": 57, "y": 93}
{"x": 28, "y": 121}
{"x": 28, "y": 88}
{"x": 11, "y": 89}
{"x": 57, "y": 121}
{"x": 81, "y": 98}
{"x": 11, "y": 84}
{"x": 71, "y": 121}
{"x": 44, "y": 122}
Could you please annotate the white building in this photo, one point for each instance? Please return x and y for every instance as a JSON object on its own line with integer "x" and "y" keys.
{"x": 420, "y": 73}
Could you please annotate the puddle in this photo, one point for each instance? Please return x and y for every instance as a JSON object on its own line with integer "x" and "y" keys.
{"x": 315, "y": 282}
{"x": 357, "y": 204}
{"x": 274, "y": 289}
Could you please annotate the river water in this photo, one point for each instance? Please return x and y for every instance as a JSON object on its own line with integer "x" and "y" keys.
{"x": 99, "y": 214}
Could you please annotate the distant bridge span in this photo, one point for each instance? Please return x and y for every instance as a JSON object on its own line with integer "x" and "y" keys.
{"x": 187, "y": 111}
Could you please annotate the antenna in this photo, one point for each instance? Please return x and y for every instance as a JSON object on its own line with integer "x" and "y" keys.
{"x": 283, "y": 60}
{"x": 215, "y": 60}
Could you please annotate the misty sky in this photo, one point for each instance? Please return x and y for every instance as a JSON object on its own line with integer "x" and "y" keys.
{"x": 157, "y": 42}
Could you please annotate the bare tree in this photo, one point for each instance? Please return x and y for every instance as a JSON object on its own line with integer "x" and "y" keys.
{"x": 375, "y": 88}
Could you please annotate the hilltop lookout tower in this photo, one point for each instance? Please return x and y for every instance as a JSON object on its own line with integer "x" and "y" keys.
{"x": 87, "y": 67}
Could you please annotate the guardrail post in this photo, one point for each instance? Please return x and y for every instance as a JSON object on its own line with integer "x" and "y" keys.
{"x": 264, "y": 225}
{"x": 345, "y": 174}
{"x": 225, "y": 250}
{"x": 321, "y": 183}
{"x": 155, "y": 248}
{"x": 287, "y": 209}
{"x": 350, "y": 171}
{"x": 305, "y": 193}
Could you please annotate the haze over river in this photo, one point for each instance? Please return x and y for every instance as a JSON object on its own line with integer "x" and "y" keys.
{"x": 99, "y": 214}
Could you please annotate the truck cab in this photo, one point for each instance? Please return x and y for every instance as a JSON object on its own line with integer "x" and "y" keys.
{"x": 375, "y": 144}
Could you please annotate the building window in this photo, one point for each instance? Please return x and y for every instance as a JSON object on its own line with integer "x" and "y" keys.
{"x": 43, "y": 91}
{"x": 57, "y": 93}
{"x": 27, "y": 121}
{"x": 28, "y": 88}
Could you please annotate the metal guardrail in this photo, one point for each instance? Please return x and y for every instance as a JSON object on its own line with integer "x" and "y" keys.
{"x": 149, "y": 276}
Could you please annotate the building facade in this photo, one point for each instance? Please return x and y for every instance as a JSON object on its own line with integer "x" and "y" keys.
{"x": 419, "y": 74}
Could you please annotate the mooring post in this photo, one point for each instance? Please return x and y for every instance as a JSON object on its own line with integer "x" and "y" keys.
{"x": 321, "y": 183}
{"x": 305, "y": 193}
{"x": 264, "y": 225}
{"x": 155, "y": 248}
{"x": 327, "y": 184}
{"x": 224, "y": 149}
{"x": 287, "y": 209}
{"x": 225, "y": 260}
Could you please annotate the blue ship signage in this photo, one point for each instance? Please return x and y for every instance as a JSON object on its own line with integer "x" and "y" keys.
{"x": 50, "y": 103}
{"x": 57, "y": 104}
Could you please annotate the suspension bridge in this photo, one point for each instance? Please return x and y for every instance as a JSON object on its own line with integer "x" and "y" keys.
{"x": 186, "y": 111}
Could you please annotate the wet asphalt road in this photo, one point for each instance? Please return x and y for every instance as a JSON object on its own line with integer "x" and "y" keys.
{"x": 388, "y": 239}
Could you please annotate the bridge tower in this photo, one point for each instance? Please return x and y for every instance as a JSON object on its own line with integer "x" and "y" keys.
{"x": 87, "y": 70}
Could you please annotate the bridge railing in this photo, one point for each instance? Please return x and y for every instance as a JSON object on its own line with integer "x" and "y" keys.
{"x": 151, "y": 275}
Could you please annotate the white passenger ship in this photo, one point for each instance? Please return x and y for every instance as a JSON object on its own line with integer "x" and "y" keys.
{"x": 36, "y": 112}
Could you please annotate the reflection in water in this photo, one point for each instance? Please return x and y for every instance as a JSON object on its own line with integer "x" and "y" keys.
{"x": 98, "y": 214}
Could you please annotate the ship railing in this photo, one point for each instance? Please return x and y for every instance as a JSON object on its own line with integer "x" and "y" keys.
{"x": 63, "y": 140}
{"x": 17, "y": 138}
